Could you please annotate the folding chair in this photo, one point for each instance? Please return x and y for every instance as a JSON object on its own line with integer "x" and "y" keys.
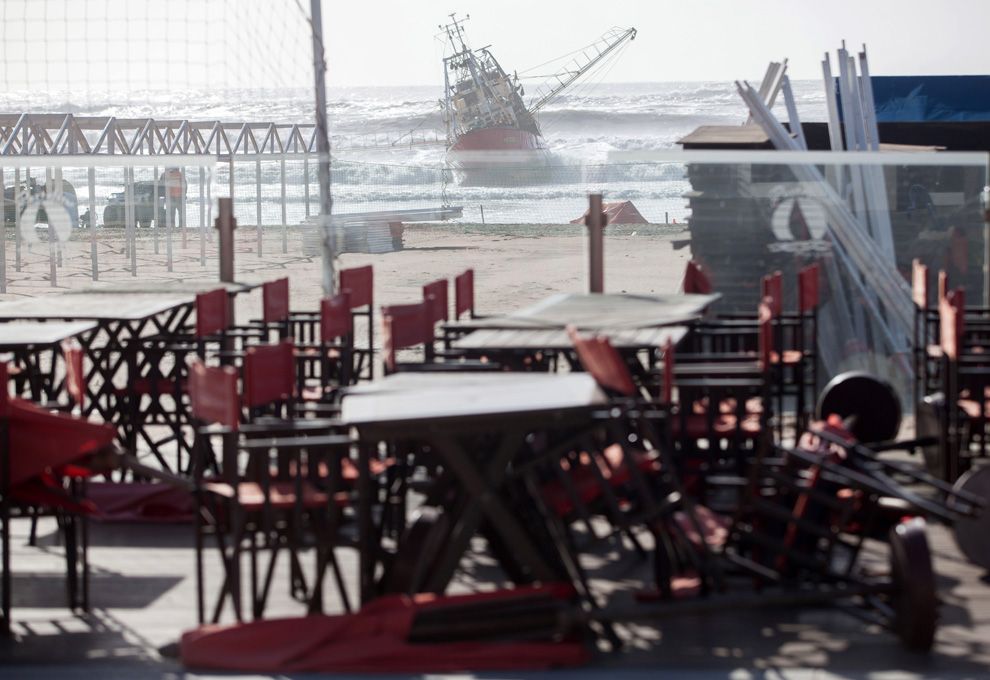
{"x": 275, "y": 315}
{"x": 358, "y": 284}
{"x": 695, "y": 279}
{"x": 327, "y": 365}
{"x": 44, "y": 463}
{"x": 464, "y": 295}
{"x": 273, "y": 489}
{"x": 156, "y": 391}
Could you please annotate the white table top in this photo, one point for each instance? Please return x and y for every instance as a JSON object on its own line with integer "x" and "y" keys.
{"x": 27, "y": 333}
{"x": 94, "y": 306}
{"x": 592, "y": 311}
{"x": 556, "y": 339}
{"x": 405, "y": 397}
{"x": 170, "y": 287}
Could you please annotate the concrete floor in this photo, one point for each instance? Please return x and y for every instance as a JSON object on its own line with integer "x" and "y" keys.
{"x": 143, "y": 597}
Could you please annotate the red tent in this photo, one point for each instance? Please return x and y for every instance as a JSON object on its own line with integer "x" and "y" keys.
{"x": 393, "y": 634}
{"x": 618, "y": 212}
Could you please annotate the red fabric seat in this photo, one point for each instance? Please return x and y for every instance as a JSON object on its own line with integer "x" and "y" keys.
{"x": 714, "y": 527}
{"x": 376, "y": 640}
{"x": 251, "y": 495}
{"x": 587, "y": 484}
{"x": 140, "y": 502}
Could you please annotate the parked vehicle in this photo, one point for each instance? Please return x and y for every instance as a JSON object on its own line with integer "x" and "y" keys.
{"x": 37, "y": 191}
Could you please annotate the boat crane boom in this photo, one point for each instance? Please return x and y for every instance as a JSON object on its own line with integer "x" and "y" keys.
{"x": 604, "y": 46}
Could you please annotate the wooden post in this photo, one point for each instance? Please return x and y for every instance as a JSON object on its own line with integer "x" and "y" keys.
{"x": 226, "y": 224}
{"x": 184, "y": 191}
{"x": 596, "y": 244}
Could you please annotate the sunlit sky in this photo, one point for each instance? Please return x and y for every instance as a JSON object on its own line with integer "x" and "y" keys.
{"x": 383, "y": 41}
{"x": 68, "y": 45}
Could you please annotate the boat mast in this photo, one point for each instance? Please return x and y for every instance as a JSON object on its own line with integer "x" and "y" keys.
{"x": 604, "y": 46}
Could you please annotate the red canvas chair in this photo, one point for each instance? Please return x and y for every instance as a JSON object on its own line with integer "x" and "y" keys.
{"x": 326, "y": 365}
{"x": 156, "y": 392}
{"x": 45, "y": 458}
{"x": 696, "y": 280}
{"x": 358, "y": 284}
{"x": 272, "y": 489}
{"x": 275, "y": 314}
{"x": 404, "y": 327}
{"x": 464, "y": 295}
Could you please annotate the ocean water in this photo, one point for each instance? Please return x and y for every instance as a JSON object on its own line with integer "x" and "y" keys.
{"x": 376, "y": 167}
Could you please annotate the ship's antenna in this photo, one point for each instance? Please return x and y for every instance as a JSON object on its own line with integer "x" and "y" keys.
{"x": 454, "y": 32}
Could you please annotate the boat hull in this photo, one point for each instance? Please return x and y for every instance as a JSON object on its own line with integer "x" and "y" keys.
{"x": 499, "y": 156}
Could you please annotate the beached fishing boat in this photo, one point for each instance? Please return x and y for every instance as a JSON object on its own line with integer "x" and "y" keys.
{"x": 493, "y": 136}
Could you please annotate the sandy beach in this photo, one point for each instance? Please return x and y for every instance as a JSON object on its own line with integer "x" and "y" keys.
{"x": 514, "y": 264}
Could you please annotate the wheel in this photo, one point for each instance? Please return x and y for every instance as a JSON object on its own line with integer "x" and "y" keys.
{"x": 914, "y": 600}
{"x": 973, "y": 533}
{"x": 870, "y": 403}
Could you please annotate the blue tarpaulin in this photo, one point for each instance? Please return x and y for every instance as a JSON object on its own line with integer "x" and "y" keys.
{"x": 915, "y": 99}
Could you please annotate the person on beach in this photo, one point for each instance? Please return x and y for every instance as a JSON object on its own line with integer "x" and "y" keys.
{"x": 174, "y": 182}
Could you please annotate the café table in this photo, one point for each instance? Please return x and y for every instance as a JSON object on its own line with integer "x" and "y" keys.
{"x": 35, "y": 348}
{"x": 119, "y": 319}
{"x": 446, "y": 411}
{"x": 594, "y": 311}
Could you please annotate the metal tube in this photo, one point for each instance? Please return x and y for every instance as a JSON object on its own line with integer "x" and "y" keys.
{"x": 17, "y": 218}
{"x": 169, "y": 221}
{"x": 323, "y": 147}
{"x": 257, "y": 201}
{"x": 93, "y": 256}
{"x": 986, "y": 245}
{"x": 596, "y": 244}
{"x": 3, "y": 240}
{"x": 155, "y": 222}
{"x": 285, "y": 221}
{"x": 202, "y": 218}
{"x": 52, "y": 265}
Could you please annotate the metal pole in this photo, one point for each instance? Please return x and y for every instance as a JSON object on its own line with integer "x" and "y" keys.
{"x": 183, "y": 191}
{"x": 169, "y": 221}
{"x": 93, "y": 257}
{"x": 306, "y": 183}
{"x": 323, "y": 146}
{"x": 986, "y": 246}
{"x": 226, "y": 224}
{"x": 17, "y": 219}
{"x": 129, "y": 218}
{"x": 155, "y": 223}
{"x": 285, "y": 221}
{"x": 257, "y": 200}
{"x": 596, "y": 244}
{"x": 52, "y": 265}
{"x": 3, "y": 240}
{"x": 202, "y": 218}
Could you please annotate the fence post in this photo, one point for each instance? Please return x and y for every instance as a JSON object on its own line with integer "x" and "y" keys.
{"x": 129, "y": 217}
{"x": 184, "y": 189}
{"x": 226, "y": 224}
{"x": 596, "y": 246}
{"x": 169, "y": 222}
{"x": 52, "y": 264}
{"x": 17, "y": 218}
{"x": 985, "y": 197}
